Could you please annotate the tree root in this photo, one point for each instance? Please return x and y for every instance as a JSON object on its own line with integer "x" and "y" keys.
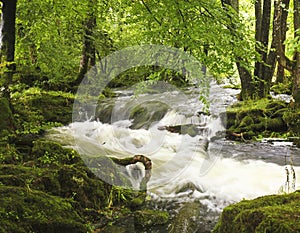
{"x": 135, "y": 159}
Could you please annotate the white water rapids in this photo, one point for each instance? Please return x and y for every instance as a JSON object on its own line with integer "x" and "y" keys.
{"x": 179, "y": 159}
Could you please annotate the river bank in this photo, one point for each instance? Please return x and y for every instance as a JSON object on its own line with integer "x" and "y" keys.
{"x": 53, "y": 177}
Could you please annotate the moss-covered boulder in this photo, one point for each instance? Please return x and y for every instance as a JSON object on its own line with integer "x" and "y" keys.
{"x": 40, "y": 107}
{"x": 268, "y": 214}
{"x": 147, "y": 113}
{"x": 6, "y": 122}
{"x": 23, "y": 210}
{"x": 249, "y": 119}
{"x": 292, "y": 118}
{"x": 149, "y": 217}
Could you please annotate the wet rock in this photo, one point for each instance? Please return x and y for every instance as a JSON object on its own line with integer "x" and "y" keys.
{"x": 189, "y": 219}
{"x": 147, "y": 113}
{"x": 104, "y": 111}
{"x": 190, "y": 129}
{"x": 274, "y": 213}
{"x": 188, "y": 187}
{"x": 147, "y": 217}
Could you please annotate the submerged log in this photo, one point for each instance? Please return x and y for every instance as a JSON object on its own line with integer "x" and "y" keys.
{"x": 133, "y": 160}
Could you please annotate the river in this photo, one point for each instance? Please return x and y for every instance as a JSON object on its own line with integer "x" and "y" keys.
{"x": 201, "y": 168}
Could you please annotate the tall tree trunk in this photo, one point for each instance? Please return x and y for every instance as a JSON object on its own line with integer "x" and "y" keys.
{"x": 291, "y": 65}
{"x": 296, "y": 70}
{"x": 88, "y": 57}
{"x": 7, "y": 55}
{"x": 264, "y": 69}
{"x": 248, "y": 89}
{"x": 280, "y": 77}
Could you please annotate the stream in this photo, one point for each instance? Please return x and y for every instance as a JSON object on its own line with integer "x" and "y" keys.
{"x": 195, "y": 173}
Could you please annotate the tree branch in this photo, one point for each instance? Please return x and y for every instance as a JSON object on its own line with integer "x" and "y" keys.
{"x": 135, "y": 159}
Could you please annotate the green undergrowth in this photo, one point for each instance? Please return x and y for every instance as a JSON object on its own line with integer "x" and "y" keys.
{"x": 24, "y": 210}
{"x": 38, "y": 187}
{"x": 36, "y": 109}
{"x": 268, "y": 214}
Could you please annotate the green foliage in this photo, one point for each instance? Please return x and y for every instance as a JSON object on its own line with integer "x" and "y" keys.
{"x": 40, "y": 110}
{"x": 193, "y": 27}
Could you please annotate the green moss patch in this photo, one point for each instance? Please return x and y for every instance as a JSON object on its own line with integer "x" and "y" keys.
{"x": 151, "y": 217}
{"x": 40, "y": 108}
{"x": 252, "y": 119}
{"x": 6, "y": 122}
{"x": 24, "y": 210}
{"x": 274, "y": 213}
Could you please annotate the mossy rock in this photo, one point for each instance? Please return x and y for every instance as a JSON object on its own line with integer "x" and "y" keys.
{"x": 65, "y": 181}
{"x": 104, "y": 111}
{"x": 274, "y": 213}
{"x": 147, "y": 217}
{"x": 6, "y": 122}
{"x": 292, "y": 119}
{"x": 23, "y": 210}
{"x": 253, "y": 118}
{"x": 282, "y": 88}
{"x": 148, "y": 113}
{"x": 47, "y": 152}
{"x": 246, "y": 121}
{"x": 38, "y": 106}
{"x": 54, "y": 108}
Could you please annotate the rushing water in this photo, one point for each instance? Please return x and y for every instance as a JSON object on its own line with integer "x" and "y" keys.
{"x": 184, "y": 170}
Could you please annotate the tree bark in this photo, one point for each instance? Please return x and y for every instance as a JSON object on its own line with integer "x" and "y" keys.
{"x": 135, "y": 159}
{"x": 7, "y": 55}
{"x": 264, "y": 69}
{"x": 296, "y": 68}
{"x": 88, "y": 57}
{"x": 248, "y": 89}
{"x": 280, "y": 77}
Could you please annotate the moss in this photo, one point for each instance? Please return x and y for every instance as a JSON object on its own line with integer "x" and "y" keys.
{"x": 46, "y": 152}
{"x": 147, "y": 113}
{"x": 246, "y": 121}
{"x": 282, "y": 88}
{"x": 39, "y": 108}
{"x": 6, "y": 122}
{"x": 253, "y": 118}
{"x": 9, "y": 154}
{"x": 292, "y": 118}
{"x": 22, "y": 210}
{"x": 149, "y": 217}
{"x": 274, "y": 213}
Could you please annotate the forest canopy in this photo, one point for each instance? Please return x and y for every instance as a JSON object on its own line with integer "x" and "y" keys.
{"x": 58, "y": 41}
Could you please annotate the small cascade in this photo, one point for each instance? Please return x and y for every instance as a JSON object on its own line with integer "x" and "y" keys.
{"x": 191, "y": 160}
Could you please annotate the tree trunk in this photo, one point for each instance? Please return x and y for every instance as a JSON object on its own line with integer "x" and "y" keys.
{"x": 280, "y": 77}
{"x": 7, "y": 55}
{"x": 264, "y": 69}
{"x": 247, "y": 82}
{"x": 296, "y": 70}
{"x": 88, "y": 57}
